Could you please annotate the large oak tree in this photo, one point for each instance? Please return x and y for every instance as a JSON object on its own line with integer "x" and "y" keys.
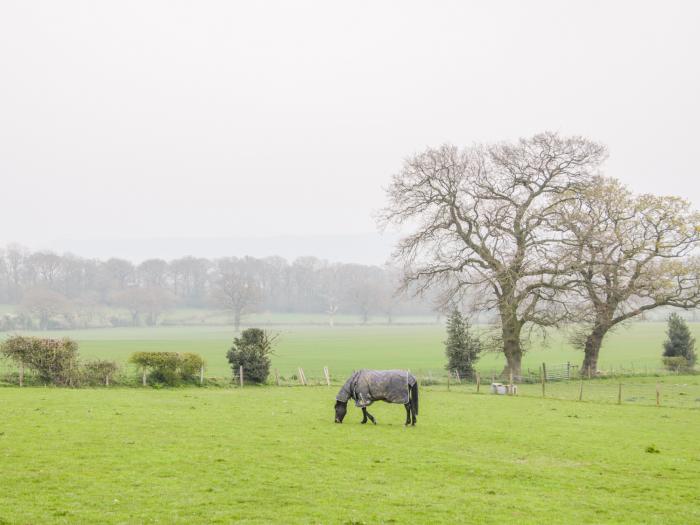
{"x": 632, "y": 253}
{"x": 482, "y": 216}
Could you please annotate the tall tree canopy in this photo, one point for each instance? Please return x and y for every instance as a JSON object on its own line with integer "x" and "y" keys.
{"x": 484, "y": 216}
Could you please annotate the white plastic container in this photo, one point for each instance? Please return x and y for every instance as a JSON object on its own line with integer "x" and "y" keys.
{"x": 502, "y": 390}
{"x": 499, "y": 388}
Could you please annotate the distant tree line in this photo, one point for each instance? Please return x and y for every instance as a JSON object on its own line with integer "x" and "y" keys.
{"x": 57, "y": 291}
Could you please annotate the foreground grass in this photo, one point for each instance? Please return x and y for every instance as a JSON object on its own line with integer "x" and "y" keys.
{"x": 345, "y": 348}
{"x": 264, "y": 455}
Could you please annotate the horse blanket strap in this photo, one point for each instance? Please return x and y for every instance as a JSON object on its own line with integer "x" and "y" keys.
{"x": 368, "y": 386}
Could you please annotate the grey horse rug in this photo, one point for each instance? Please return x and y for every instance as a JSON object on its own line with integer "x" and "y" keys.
{"x": 368, "y": 386}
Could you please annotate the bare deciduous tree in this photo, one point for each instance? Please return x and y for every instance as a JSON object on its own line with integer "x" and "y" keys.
{"x": 144, "y": 303}
{"x": 16, "y": 257}
{"x": 482, "y": 218}
{"x": 237, "y": 287}
{"x": 118, "y": 273}
{"x": 362, "y": 290}
{"x": 44, "y": 304}
{"x": 331, "y": 290}
{"x": 632, "y": 254}
{"x": 152, "y": 272}
{"x": 45, "y": 267}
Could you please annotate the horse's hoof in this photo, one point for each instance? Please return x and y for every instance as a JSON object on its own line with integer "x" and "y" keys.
{"x": 363, "y": 422}
{"x": 374, "y": 422}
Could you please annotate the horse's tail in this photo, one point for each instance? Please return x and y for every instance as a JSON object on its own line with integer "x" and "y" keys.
{"x": 414, "y": 397}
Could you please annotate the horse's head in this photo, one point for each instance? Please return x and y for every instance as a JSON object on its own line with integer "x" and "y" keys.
{"x": 340, "y": 411}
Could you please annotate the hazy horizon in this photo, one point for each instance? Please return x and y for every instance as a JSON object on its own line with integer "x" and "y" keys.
{"x": 368, "y": 248}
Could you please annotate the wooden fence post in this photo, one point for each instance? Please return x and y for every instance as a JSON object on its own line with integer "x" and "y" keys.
{"x": 459, "y": 379}
{"x": 277, "y": 377}
{"x": 328, "y": 377}
{"x": 448, "y": 381}
{"x": 302, "y": 379}
{"x": 107, "y": 380}
{"x": 658, "y": 394}
{"x": 240, "y": 374}
{"x": 544, "y": 371}
{"x": 542, "y": 375}
{"x": 143, "y": 378}
{"x": 619, "y": 393}
{"x": 478, "y": 382}
{"x": 201, "y": 375}
{"x": 580, "y": 389}
{"x": 21, "y": 373}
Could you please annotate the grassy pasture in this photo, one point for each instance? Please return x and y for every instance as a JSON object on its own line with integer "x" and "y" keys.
{"x": 344, "y": 348}
{"x": 262, "y": 455}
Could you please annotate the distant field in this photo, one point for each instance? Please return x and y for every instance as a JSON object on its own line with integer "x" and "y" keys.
{"x": 207, "y": 316}
{"x": 273, "y": 455}
{"x": 344, "y": 348}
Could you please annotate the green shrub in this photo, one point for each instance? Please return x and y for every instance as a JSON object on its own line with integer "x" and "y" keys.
{"x": 190, "y": 365}
{"x": 169, "y": 368}
{"x": 252, "y": 351}
{"x": 55, "y": 361}
{"x": 676, "y": 364}
{"x": 98, "y": 372}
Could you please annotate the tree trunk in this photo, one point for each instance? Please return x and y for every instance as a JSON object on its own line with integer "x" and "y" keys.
{"x": 589, "y": 367}
{"x": 511, "y": 328}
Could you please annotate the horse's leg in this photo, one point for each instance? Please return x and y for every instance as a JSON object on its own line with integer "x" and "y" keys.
{"x": 370, "y": 416}
{"x": 413, "y": 415}
{"x": 407, "y": 406}
{"x": 364, "y": 415}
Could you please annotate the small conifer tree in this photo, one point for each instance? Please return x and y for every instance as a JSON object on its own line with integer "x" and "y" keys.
{"x": 679, "y": 344}
{"x": 461, "y": 347}
{"x": 252, "y": 351}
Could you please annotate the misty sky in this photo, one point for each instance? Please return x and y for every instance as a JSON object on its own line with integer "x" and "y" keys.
{"x": 146, "y": 119}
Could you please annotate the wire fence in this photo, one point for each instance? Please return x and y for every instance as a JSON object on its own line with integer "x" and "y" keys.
{"x": 643, "y": 386}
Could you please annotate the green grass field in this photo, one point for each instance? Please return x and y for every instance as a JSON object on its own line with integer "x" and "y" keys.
{"x": 273, "y": 455}
{"x": 344, "y": 348}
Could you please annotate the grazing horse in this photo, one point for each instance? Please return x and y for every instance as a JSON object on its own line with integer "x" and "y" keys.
{"x": 368, "y": 386}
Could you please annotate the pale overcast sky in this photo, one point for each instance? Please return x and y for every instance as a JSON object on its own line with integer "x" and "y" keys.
{"x": 203, "y": 119}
